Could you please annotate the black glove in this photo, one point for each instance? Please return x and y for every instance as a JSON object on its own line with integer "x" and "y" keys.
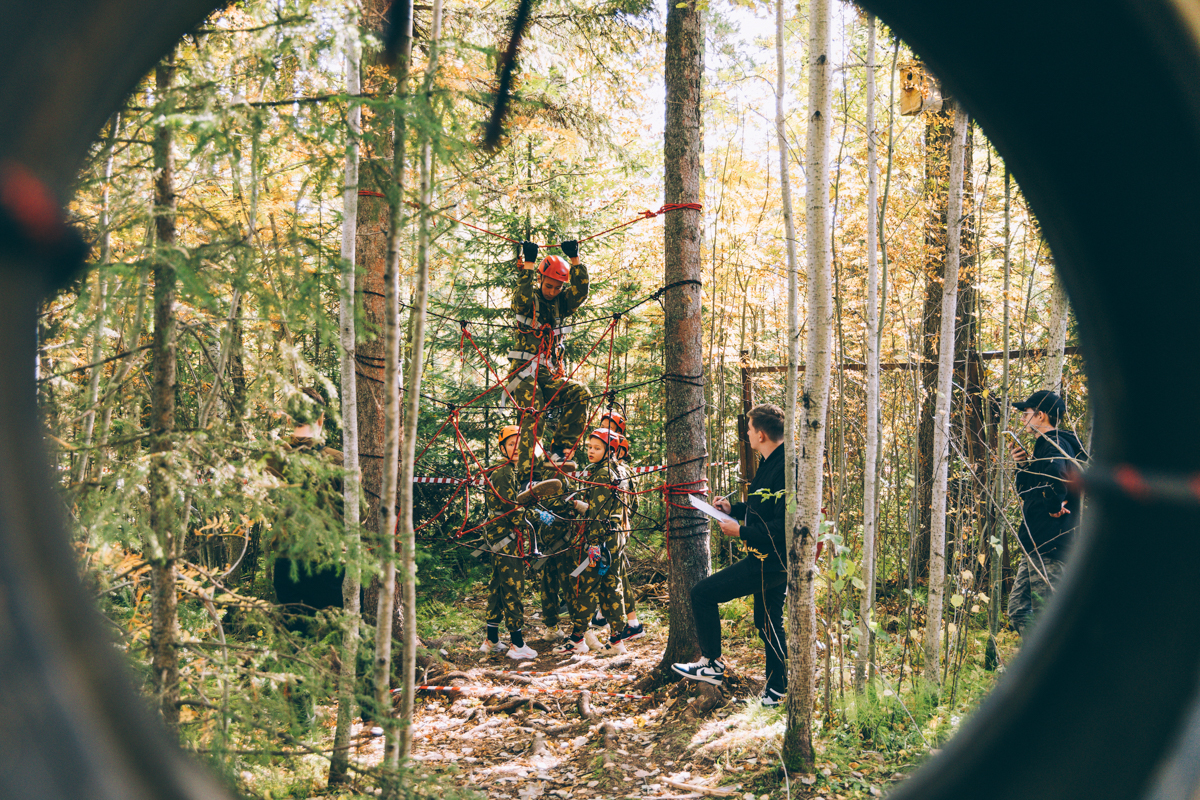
{"x": 570, "y": 248}
{"x": 529, "y": 250}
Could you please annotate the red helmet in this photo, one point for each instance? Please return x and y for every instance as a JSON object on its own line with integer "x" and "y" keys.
{"x": 616, "y": 418}
{"x": 611, "y": 439}
{"x": 622, "y": 447}
{"x": 555, "y": 268}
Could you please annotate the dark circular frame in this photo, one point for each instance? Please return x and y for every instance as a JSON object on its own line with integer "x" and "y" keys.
{"x": 1096, "y": 110}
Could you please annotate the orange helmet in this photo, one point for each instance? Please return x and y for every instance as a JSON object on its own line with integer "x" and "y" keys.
{"x": 556, "y": 268}
{"x": 622, "y": 447}
{"x": 616, "y": 418}
{"x": 610, "y": 438}
{"x": 507, "y": 431}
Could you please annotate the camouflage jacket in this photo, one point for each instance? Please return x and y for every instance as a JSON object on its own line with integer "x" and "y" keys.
{"x": 501, "y": 499}
{"x": 534, "y": 314}
{"x": 608, "y": 517}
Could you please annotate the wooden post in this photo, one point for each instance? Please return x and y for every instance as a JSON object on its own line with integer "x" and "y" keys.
{"x": 746, "y": 459}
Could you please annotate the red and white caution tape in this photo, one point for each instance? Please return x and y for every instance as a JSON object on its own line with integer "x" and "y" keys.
{"x": 478, "y": 482}
{"x": 533, "y": 673}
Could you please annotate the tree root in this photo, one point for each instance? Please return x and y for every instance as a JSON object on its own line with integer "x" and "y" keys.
{"x": 503, "y": 676}
{"x": 584, "y": 703}
{"x": 608, "y": 734}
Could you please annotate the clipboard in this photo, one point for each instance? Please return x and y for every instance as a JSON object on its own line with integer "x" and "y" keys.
{"x": 712, "y": 511}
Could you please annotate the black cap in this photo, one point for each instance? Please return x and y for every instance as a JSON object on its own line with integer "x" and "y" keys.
{"x": 1045, "y": 400}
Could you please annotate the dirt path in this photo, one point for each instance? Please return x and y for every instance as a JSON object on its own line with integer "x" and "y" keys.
{"x": 565, "y": 730}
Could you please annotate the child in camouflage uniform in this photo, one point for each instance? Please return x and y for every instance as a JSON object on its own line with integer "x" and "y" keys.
{"x": 615, "y": 421}
{"x": 536, "y": 379}
{"x": 506, "y": 536}
{"x": 605, "y": 531}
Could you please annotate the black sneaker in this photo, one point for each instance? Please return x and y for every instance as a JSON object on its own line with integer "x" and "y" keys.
{"x": 599, "y": 621}
{"x": 630, "y": 632}
{"x": 709, "y": 670}
{"x": 772, "y": 698}
{"x": 572, "y": 646}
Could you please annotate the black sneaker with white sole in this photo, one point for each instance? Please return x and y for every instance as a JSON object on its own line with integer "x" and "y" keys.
{"x": 709, "y": 670}
{"x": 629, "y": 633}
{"x": 772, "y": 698}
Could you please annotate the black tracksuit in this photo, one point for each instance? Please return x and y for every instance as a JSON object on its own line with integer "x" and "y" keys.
{"x": 762, "y": 573}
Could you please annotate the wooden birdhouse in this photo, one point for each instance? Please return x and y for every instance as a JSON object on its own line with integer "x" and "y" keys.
{"x": 912, "y": 85}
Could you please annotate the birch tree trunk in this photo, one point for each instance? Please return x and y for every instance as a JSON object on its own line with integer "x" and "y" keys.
{"x": 1056, "y": 343}
{"x": 408, "y": 544}
{"x": 391, "y": 396}
{"x": 802, "y": 544}
{"x": 789, "y": 227}
{"x": 93, "y": 393}
{"x": 352, "y": 583}
{"x": 683, "y": 428}
{"x": 941, "y": 430}
{"x": 938, "y": 124}
{"x": 995, "y": 567}
{"x": 164, "y": 520}
{"x": 870, "y": 473}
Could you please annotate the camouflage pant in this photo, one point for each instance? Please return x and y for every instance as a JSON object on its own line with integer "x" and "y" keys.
{"x": 536, "y": 392}
{"x": 1032, "y": 589}
{"x": 507, "y": 584}
{"x": 557, "y": 586}
{"x": 600, "y": 591}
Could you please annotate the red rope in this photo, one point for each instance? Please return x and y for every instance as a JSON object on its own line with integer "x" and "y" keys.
{"x": 644, "y": 215}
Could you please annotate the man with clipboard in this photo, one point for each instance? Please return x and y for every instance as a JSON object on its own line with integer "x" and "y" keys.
{"x": 762, "y": 573}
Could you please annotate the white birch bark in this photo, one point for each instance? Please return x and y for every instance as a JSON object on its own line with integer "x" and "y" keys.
{"x": 870, "y": 473}
{"x": 793, "y": 370}
{"x": 352, "y": 582}
{"x": 995, "y": 571}
{"x": 391, "y": 405}
{"x": 407, "y": 536}
{"x": 797, "y": 750}
{"x": 1056, "y": 342}
{"x": 941, "y": 419}
{"x": 89, "y": 420}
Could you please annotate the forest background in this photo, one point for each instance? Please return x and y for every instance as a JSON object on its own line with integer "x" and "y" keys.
{"x": 256, "y": 115}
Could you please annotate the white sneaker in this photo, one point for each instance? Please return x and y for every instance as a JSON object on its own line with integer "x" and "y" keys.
{"x": 709, "y": 671}
{"x": 602, "y": 645}
{"x": 493, "y": 647}
{"x": 523, "y": 653}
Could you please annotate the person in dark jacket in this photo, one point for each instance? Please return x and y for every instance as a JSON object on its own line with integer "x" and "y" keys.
{"x": 763, "y": 573}
{"x": 1049, "y": 509}
{"x": 303, "y": 584}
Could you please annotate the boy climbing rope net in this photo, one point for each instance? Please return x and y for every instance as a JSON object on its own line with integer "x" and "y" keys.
{"x": 536, "y": 378}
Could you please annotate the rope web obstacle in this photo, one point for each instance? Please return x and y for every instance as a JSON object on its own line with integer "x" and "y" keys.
{"x": 475, "y": 483}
